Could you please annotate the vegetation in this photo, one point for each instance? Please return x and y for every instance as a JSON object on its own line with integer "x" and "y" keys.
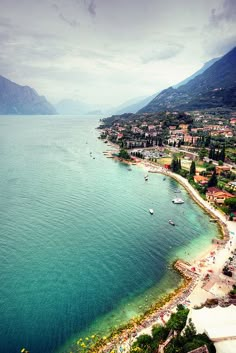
{"x": 213, "y": 180}
{"x": 216, "y": 154}
{"x": 124, "y": 154}
{"x": 231, "y": 203}
{"x": 192, "y": 170}
{"x": 175, "y": 165}
{"x": 181, "y": 343}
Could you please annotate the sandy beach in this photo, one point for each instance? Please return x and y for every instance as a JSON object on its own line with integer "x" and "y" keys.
{"x": 203, "y": 278}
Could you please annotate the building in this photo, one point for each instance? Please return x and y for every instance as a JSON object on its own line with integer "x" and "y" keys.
{"x": 199, "y": 179}
{"x": 217, "y": 196}
{"x": 232, "y": 185}
{"x": 222, "y": 168}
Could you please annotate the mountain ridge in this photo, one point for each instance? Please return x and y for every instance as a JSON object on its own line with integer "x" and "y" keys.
{"x": 16, "y": 100}
{"x": 212, "y": 88}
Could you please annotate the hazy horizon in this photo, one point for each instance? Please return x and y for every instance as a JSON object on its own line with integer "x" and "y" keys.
{"x": 107, "y": 52}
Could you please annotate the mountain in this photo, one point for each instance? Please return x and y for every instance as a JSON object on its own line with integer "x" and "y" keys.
{"x": 16, "y": 99}
{"x": 200, "y": 71}
{"x": 133, "y": 105}
{"x": 215, "y": 87}
{"x": 72, "y": 107}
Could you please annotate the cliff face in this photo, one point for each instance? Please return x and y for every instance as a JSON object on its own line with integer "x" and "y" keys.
{"x": 215, "y": 87}
{"x": 16, "y": 99}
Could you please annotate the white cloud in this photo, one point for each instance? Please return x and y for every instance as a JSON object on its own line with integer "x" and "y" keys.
{"x": 109, "y": 50}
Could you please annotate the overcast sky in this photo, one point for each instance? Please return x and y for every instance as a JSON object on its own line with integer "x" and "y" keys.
{"x": 109, "y": 51}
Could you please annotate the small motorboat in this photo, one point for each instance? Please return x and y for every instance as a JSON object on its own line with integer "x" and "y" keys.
{"x": 151, "y": 211}
{"x": 177, "y": 191}
{"x": 146, "y": 177}
{"x": 171, "y": 222}
{"x": 178, "y": 201}
{"x": 164, "y": 178}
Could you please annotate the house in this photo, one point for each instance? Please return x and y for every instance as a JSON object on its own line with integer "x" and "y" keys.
{"x": 119, "y": 136}
{"x": 217, "y": 196}
{"x": 232, "y": 185}
{"x": 191, "y": 139}
{"x": 222, "y": 168}
{"x": 183, "y": 126}
{"x": 199, "y": 179}
{"x": 233, "y": 121}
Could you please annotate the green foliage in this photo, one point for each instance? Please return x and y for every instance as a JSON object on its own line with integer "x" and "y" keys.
{"x": 233, "y": 291}
{"x": 177, "y": 320}
{"x": 192, "y": 170}
{"x": 175, "y": 165}
{"x": 144, "y": 343}
{"x": 210, "y": 168}
{"x": 124, "y": 154}
{"x": 182, "y": 343}
{"x": 213, "y": 180}
{"x": 231, "y": 203}
{"x": 159, "y": 333}
{"x": 190, "y": 331}
{"x": 202, "y": 153}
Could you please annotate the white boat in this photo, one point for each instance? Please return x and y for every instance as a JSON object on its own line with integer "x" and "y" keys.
{"x": 171, "y": 222}
{"x": 146, "y": 177}
{"x": 151, "y": 210}
{"x": 178, "y": 200}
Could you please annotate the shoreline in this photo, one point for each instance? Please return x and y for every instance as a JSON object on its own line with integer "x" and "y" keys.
{"x": 192, "y": 285}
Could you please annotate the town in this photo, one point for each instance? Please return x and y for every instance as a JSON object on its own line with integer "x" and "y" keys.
{"x": 203, "y": 142}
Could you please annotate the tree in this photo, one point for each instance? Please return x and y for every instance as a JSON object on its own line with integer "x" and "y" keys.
{"x": 190, "y": 330}
{"x": 179, "y": 165}
{"x": 213, "y": 179}
{"x": 192, "y": 170}
{"x": 222, "y": 154}
{"x": 231, "y": 203}
{"x": 175, "y": 165}
{"x": 124, "y": 154}
{"x": 202, "y": 153}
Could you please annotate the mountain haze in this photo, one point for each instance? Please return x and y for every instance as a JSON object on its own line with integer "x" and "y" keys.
{"x": 215, "y": 87}
{"x": 200, "y": 71}
{"x": 16, "y": 99}
{"x": 135, "y": 106}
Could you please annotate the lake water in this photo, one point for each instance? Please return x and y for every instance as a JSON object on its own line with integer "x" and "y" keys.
{"x": 79, "y": 250}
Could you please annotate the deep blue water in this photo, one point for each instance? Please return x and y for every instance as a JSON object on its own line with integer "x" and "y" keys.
{"x": 77, "y": 243}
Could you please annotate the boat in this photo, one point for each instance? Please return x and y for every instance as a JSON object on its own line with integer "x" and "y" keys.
{"x": 146, "y": 177}
{"x": 177, "y": 200}
{"x": 151, "y": 211}
{"x": 213, "y": 220}
{"x": 164, "y": 178}
{"x": 177, "y": 191}
{"x": 171, "y": 222}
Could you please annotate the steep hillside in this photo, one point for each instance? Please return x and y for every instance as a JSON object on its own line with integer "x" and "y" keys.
{"x": 16, "y": 99}
{"x": 215, "y": 87}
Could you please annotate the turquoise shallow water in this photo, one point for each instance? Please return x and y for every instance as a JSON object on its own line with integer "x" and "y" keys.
{"x": 79, "y": 250}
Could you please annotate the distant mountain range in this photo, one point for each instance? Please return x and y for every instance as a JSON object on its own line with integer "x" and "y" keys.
{"x": 135, "y": 105}
{"x": 16, "y": 99}
{"x": 215, "y": 87}
{"x": 199, "y": 72}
